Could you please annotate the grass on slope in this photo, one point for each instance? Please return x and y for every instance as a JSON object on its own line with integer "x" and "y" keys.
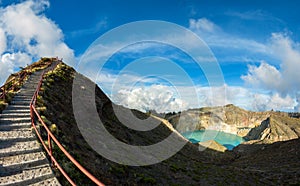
{"x": 39, "y": 65}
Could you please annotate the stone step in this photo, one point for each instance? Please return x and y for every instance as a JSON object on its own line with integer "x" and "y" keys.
{"x": 25, "y": 92}
{"x": 15, "y": 115}
{"x": 18, "y": 126}
{"x": 26, "y": 117}
{"x": 30, "y": 85}
{"x": 8, "y": 135}
{"x": 27, "y": 177}
{"x": 21, "y": 102}
{"x": 28, "y": 88}
{"x": 11, "y": 120}
{"x": 29, "y": 94}
{"x": 17, "y": 96}
{"x": 51, "y": 181}
{"x": 15, "y": 110}
{"x": 22, "y": 107}
{"x": 22, "y": 161}
{"x": 32, "y": 82}
{"x": 22, "y": 99}
{"x": 16, "y": 147}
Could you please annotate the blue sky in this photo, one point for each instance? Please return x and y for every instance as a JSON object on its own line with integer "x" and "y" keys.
{"x": 256, "y": 43}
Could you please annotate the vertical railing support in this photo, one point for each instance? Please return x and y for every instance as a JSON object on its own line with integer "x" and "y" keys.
{"x": 50, "y": 149}
{"x": 4, "y": 93}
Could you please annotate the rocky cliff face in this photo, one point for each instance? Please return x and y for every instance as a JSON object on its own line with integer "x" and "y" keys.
{"x": 229, "y": 119}
{"x": 266, "y": 126}
{"x": 280, "y": 128}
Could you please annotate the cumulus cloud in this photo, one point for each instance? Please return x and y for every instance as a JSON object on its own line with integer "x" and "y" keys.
{"x": 10, "y": 61}
{"x": 203, "y": 25}
{"x": 262, "y": 102}
{"x": 265, "y": 75}
{"x": 155, "y": 97}
{"x": 34, "y": 37}
{"x": 285, "y": 79}
{"x": 2, "y": 41}
{"x": 164, "y": 98}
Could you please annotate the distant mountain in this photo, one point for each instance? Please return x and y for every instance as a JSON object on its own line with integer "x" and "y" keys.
{"x": 267, "y": 127}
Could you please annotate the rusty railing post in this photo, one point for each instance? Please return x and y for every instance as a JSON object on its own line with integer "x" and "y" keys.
{"x": 4, "y": 93}
{"x": 31, "y": 116}
{"x": 50, "y": 149}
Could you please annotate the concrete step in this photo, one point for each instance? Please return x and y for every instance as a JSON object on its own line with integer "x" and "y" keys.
{"x": 27, "y": 177}
{"x": 21, "y": 107}
{"x": 17, "y": 96}
{"x": 30, "y": 85}
{"x": 7, "y": 121}
{"x": 18, "y": 126}
{"x": 51, "y": 181}
{"x": 32, "y": 82}
{"x": 16, "y": 134}
{"x": 17, "y": 146}
{"x": 27, "y": 94}
{"x": 22, "y": 99}
{"x": 15, "y": 111}
{"x": 15, "y": 115}
{"x": 22, "y": 161}
{"x": 20, "y": 102}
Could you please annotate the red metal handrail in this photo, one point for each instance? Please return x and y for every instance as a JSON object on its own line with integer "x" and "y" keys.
{"x": 51, "y": 137}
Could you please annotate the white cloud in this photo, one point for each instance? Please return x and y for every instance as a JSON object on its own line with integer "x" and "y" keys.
{"x": 203, "y": 25}
{"x": 92, "y": 30}
{"x": 262, "y": 102}
{"x": 286, "y": 79}
{"x": 155, "y": 97}
{"x": 237, "y": 47}
{"x": 256, "y": 15}
{"x": 18, "y": 59}
{"x": 164, "y": 98}
{"x": 266, "y": 76}
{"x": 28, "y": 32}
{"x": 112, "y": 83}
{"x": 2, "y": 41}
{"x": 10, "y": 61}
{"x": 282, "y": 79}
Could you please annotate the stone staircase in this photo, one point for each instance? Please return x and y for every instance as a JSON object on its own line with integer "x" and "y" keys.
{"x": 22, "y": 160}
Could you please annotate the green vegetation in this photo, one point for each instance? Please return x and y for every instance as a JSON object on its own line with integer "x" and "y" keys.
{"x": 17, "y": 79}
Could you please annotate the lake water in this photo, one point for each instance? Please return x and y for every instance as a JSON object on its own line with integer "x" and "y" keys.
{"x": 228, "y": 140}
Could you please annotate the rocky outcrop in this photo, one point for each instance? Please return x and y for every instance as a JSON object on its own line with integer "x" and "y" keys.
{"x": 213, "y": 145}
{"x": 268, "y": 127}
{"x": 230, "y": 119}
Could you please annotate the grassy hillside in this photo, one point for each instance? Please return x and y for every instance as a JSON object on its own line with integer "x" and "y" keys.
{"x": 39, "y": 65}
{"x": 188, "y": 167}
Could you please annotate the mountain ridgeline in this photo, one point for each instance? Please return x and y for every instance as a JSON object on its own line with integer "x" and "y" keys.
{"x": 265, "y": 127}
{"x": 268, "y": 134}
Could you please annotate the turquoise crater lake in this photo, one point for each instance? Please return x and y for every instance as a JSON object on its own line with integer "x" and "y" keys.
{"x": 226, "y": 139}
